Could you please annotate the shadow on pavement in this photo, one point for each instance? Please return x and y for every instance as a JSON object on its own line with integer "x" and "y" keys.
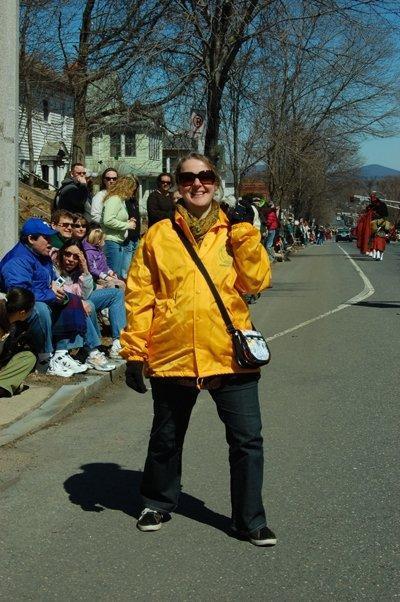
{"x": 381, "y": 304}
{"x": 107, "y": 485}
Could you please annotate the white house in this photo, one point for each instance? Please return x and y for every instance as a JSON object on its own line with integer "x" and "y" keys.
{"x": 51, "y": 105}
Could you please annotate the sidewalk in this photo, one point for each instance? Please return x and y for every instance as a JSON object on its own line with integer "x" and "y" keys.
{"x": 48, "y": 400}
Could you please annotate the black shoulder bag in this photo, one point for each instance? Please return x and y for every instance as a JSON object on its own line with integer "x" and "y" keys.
{"x": 250, "y": 347}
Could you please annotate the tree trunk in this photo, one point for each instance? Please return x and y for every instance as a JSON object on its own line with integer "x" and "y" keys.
{"x": 235, "y": 142}
{"x": 214, "y": 94}
{"x": 78, "y": 150}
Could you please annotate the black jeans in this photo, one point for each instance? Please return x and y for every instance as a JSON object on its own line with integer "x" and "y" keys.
{"x": 238, "y": 408}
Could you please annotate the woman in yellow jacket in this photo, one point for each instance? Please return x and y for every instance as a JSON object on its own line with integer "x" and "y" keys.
{"x": 175, "y": 331}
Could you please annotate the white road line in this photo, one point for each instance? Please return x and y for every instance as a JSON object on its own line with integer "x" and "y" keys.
{"x": 367, "y": 291}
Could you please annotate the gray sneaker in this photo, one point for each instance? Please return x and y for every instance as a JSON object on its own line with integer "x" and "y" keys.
{"x": 97, "y": 360}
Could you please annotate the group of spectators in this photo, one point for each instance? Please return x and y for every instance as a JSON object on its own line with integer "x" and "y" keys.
{"x": 280, "y": 230}
{"x": 64, "y": 281}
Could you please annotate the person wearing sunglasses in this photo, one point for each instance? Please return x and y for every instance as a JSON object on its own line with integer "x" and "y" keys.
{"x": 177, "y": 335}
{"x": 108, "y": 179}
{"x": 62, "y": 222}
{"x": 79, "y": 226}
{"x": 160, "y": 204}
{"x": 73, "y": 268}
{"x": 73, "y": 194}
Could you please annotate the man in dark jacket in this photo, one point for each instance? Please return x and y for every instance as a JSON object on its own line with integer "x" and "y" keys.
{"x": 160, "y": 204}
{"x": 73, "y": 195}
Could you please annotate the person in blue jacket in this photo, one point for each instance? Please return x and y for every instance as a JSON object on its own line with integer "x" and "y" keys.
{"x": 28, "y": 265}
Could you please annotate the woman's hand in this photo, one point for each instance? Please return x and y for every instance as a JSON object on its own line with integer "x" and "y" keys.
{"x": 131, "y": 223}
{"x": 87, "y": 308}
{"x": 83, "y": 263}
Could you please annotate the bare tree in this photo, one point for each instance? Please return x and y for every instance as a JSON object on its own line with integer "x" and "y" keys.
{"x": 109, "y": 39}
{"x": 214, "y": 33}
{"x": 325, "y": 83}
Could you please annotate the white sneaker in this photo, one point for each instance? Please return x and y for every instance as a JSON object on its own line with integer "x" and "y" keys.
{"x": 58, "y": 367}
{"x": 75, "y": 365}
{"x": 99, "y": 361}
{"x": 115, "y": 349}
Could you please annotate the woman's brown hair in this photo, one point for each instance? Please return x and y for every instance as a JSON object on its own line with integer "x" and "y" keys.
{"x": 125, "y": 187}
{"x": 103, "y": 185}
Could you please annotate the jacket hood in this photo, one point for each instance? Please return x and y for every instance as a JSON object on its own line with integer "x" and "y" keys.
{"x": 88, "y": 245}
{"x": 68, "y": 180}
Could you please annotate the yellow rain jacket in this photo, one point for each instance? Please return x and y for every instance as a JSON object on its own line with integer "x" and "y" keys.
{"x": 173, "y": 322}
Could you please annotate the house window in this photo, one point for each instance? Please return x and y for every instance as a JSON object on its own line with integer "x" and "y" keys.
{"x": 154, "y": 148}
{"x": 46, "y": 111}
{"x": 130, "y": 144}
{"x": 115, "y": 145}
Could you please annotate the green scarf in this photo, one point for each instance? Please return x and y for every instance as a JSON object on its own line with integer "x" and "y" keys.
{"x": 199, "y": 226}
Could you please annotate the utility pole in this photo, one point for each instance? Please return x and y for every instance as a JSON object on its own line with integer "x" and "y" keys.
{"x": 9, "y": 126}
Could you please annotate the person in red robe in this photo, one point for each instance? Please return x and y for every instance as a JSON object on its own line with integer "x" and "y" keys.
{"x": 377, "y": 209}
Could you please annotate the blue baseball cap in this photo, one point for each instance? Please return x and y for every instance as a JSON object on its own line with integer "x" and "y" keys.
{"x": 35, "y": 225}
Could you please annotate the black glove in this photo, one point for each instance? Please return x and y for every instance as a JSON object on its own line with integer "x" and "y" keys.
{"x": 134, "y": 376}
{"x": 241, "y": 213}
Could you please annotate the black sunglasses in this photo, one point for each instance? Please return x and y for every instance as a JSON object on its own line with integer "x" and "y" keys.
{"x": 73, "y": 255}
{"x": 187, "y": 178}
{"x": 110, "y": 178}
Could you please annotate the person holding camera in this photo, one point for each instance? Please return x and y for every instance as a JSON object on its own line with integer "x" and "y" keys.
{"x": 171, "y": 312}
{"x": 73, "y": 267}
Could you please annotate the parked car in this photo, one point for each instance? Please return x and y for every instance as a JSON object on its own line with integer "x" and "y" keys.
{"x": 343, "y": 234}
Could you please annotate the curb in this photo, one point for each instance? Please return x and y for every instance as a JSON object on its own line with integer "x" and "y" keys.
{"x": 64, "y": 402}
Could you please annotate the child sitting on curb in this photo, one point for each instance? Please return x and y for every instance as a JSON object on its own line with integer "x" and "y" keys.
{"x": 96, "y": 260}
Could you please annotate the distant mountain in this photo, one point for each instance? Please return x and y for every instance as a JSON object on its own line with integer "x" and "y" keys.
{"x": 376, "y": 172}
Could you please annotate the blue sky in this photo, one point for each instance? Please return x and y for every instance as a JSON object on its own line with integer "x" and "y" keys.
{"x": 380, "y": 151}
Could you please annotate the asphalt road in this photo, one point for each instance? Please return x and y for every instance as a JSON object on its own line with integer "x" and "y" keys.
{"x": 69, "y": 494}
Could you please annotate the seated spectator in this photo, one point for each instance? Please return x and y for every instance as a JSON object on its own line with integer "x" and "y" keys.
{"x": 62, "y": 222}
{"x": 108, "y": 178}
{"x": 73, "y": 267}
{"x": 58, "y": 319}
{"x": 93, "y": 245}
{"x": 16, "y": 360}
{"x": 79, "y": 226}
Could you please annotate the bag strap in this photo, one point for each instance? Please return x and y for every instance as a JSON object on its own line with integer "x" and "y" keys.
{"x": 190, "y": 249}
